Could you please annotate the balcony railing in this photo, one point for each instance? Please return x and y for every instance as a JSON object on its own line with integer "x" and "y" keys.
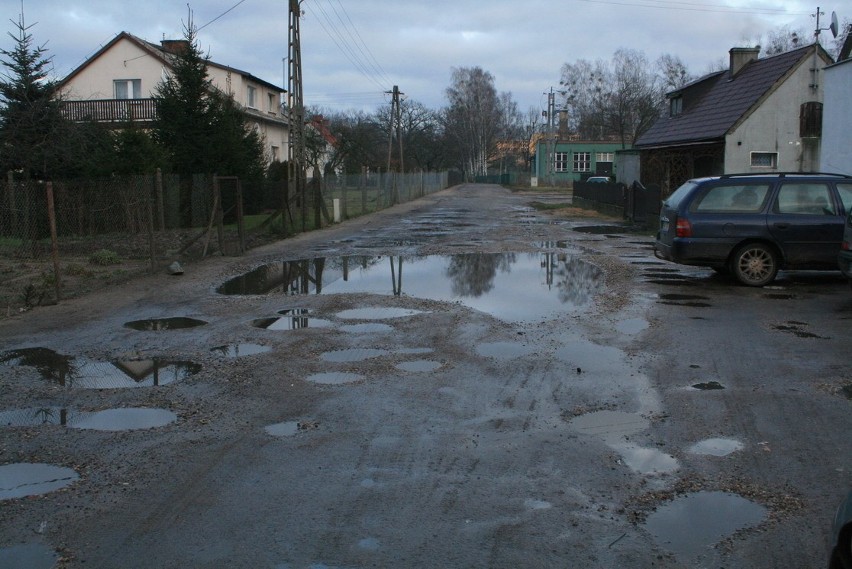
{"x": 110, "y": 110}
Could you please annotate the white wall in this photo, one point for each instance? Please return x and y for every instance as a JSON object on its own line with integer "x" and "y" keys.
{"x": 837, "y": 119}
{"x": 774, "y": 127}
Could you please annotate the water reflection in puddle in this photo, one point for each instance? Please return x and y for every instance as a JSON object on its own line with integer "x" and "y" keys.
{"x": 291, "y": 323}
{"x": 419, "y": 366}
{"x": 367, "y": 328}
{"x": 632, "y": 326}
{"x": 32, "y": 479}
{"x": 377, "y": 313}
{"x": 155, "y": 324}
{"x": 510, "y": 286}
{"x": 240, "y": 350}
{"x": 708, "y": 386}
{"x": 82, "y": 373}
{"x": 334, "y": 378}
{"x": 29, "y": 556}
{"x": 716, "y": 447}
{"x": 690, "y": 525}
{"x": 123, "y": 419}
{"x": 286, "y": 429}
{"x": 614, "y": 428}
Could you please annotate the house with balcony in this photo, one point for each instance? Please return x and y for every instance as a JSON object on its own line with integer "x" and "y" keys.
{"x": 759, "y": 115}
{"x": 116, "y": 85}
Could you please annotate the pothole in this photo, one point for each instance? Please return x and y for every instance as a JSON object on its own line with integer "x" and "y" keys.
{"x": 240, "y": 350}
{"x": 28, "y": 555}
{"x": 291, "y": 323}
{"x": 121, "y": 419}
{"x": 82, "y": 373}
{"x": 716, "y": 447}
{"x": 367, "y": 328}
{"x": 377, "y": 313}
{"x": 708, "y": 386}
{"x": 157, "y": 324}
{"x": 688, "y": 526}
{"x": 419, "y": 366}
{"x": 334, "y": 378}
{"x": 23, "y": 479}
{"x": 352, "y": 355}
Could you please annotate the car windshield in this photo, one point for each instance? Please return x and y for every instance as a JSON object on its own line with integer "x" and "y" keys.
{"x": 674, "y": 200}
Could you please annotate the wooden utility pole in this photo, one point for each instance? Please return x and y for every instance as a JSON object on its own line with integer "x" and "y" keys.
{"x": 296, "y": 177}
{"x": 395, "y": 120}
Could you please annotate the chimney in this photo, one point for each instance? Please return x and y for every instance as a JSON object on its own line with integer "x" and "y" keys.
{"x": 175, "y": 47}
{"x": 740, "y": 56}
{"x": 563, "y": 124}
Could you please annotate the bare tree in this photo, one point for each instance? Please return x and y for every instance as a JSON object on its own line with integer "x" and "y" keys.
{"x": 784, "y": 39}
{"x": 476, "y": 117}
{"x": 673, "y": 72}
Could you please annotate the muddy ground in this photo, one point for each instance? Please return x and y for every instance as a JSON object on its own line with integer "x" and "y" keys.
{"x": 438, "y": 429}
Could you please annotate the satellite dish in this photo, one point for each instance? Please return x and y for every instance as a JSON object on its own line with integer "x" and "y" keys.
{"x": 833, "y": 26}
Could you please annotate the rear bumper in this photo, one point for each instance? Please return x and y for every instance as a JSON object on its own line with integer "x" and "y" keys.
{"x": 701, "y": 253}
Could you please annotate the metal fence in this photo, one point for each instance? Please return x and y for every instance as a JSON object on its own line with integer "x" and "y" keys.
{"x": 635, "y": 202}
{"x": 61, "y": 239}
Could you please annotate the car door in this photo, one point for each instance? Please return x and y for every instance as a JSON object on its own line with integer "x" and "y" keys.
{"x": 806, "y": 221}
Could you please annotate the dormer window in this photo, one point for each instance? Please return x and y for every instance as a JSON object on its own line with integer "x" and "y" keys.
{"x": 675, "y": 105}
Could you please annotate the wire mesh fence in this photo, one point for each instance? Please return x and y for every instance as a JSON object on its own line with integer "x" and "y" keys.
{"x": 65, "y": 238}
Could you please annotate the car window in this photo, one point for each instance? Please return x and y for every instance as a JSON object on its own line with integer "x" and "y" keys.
{"x": 674, "y": 200}
{"x": 743, "y": 198}
{"x": 845, "y": 191}
{"x": 805, "y": 198}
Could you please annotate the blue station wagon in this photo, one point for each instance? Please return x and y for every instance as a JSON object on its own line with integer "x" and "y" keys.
{"x": 753, "y": 225}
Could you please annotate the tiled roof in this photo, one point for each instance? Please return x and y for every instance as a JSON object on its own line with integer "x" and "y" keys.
{"x": 723, "y": 103}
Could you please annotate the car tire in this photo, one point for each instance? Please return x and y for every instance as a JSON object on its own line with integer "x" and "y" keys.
{"x": 755, "y": 264}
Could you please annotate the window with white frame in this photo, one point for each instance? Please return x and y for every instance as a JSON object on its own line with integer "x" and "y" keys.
{"x": 764, "y": 159}
{"x": 251, "y": 97}
{"x": 560, "y": 162}
{"x": 604, "y": 156}
{"x": 582, "y": 162}
{"x": 270, "y": 103}
{"x": 127, "y": 88}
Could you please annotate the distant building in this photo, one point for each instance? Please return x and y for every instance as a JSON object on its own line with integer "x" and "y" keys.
{"x": 568, "y": 159}
{"x": 836, "y": 154}
{"x": 117, "y": 83}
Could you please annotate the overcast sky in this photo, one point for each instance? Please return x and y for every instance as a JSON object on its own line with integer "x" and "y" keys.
{"x": 353, "y": 50}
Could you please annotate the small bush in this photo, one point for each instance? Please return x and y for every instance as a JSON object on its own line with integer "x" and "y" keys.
{"x": 77, "y": 270}
{"x": 105, "y": 257}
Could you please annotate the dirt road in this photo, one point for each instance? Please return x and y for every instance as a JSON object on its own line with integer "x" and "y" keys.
{"x": 461, "y": 381}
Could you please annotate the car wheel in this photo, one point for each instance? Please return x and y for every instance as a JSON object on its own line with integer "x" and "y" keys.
{"x": 755, "y": 264}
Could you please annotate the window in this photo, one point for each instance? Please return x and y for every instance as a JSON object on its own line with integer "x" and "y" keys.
{"x": 251, "y": 97}
{"x": 604, "y": 157}
{"x": 745, "y": 198}
{"x": 805, "y": 199}
{"x": 127, "y": 88}
{"x": 275, "y": 157}
{"x": 582, "y": 162}
{"x": 764, "y": 159}
{"x": 675, "y": 106}
{"x": 810, "y": 120}
{"x": 270, "y": 103}
{"x": 560, "y": 162}
{"x": 845, "y": 191}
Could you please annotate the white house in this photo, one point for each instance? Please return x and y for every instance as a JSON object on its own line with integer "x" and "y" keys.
{"x": 837, "y": 115}
{"x": 117, "y": 84}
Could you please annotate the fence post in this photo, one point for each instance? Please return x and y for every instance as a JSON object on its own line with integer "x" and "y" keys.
{"x": 152, "y": 250}
{"x": 158, "y": 187}
{"x": 14, "y": 221}
{"x": 51, "y": 215}
{"x": 240, "y": 222}
{"x": 220, "y": 222}
{"x": 344, "y": 198}
{"x": 363, "y": 184}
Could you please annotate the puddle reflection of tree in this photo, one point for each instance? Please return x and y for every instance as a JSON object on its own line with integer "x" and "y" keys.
{"x": 51, "y": 365}
{"x": 577, "y": 281}
{"x": 473, "y": 275}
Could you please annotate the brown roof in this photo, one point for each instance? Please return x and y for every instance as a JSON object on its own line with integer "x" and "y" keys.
{"x": 714, "y": 104}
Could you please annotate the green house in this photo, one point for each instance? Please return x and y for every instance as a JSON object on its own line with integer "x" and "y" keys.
{"x": 563, "y": 162}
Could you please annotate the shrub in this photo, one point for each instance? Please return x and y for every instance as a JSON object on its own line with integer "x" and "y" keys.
{"x": 105, "y": 257}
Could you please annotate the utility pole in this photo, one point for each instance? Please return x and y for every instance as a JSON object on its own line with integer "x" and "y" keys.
{"x": 296, "y": 178}
{"x": 551, "y": 138}
{"x": 395, "y": 117}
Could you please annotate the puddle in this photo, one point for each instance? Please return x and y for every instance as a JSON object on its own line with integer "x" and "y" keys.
{"x": 716, "y": 447}
{"x": 419, "y": 366}
{"x": 82, "y": 373}
{"x": 32, "y": 479}
{"x": 796, "y": 328}
{"x": 846, "y": 390}
{"x": 648, "y": 461}
{"x": 691, "y": 304}
{"x": 692, "y": 524}
{"x": 670, "y": 282}
{"x": 367, "y": 328}
{"x": 286, "y": 429}
{"x": 377, "y": 313}
{"x": 604, "y": 229}
{"x": 509, "y": 286}
{"x": 123, "y": 419}
{"x": 632, "y": 326}
{"x": 29, "y": 556}
{"x": 415, "y": 351}
{"x": 156, "y": 324}
{"x": 352, "y": 355}
{"x": 679, "y": 297}
{"x": 291, "y": 323}
{"x": 776, "y": 296}
{"x": 533, "y": 504}
{"x": 334, "y": 378}
{"x": 708, "y": 386}
{"x": 240, "y": 350}
{"x": 504, "y": 350}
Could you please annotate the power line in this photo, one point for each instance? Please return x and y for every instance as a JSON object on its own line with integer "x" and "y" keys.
{"x": 220, "y": 15}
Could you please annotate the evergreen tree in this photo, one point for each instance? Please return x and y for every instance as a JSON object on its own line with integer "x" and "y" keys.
{"x": 30, "y": 119}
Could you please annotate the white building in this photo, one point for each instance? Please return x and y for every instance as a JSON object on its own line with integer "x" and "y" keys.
{"x": 837, "y": 118}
